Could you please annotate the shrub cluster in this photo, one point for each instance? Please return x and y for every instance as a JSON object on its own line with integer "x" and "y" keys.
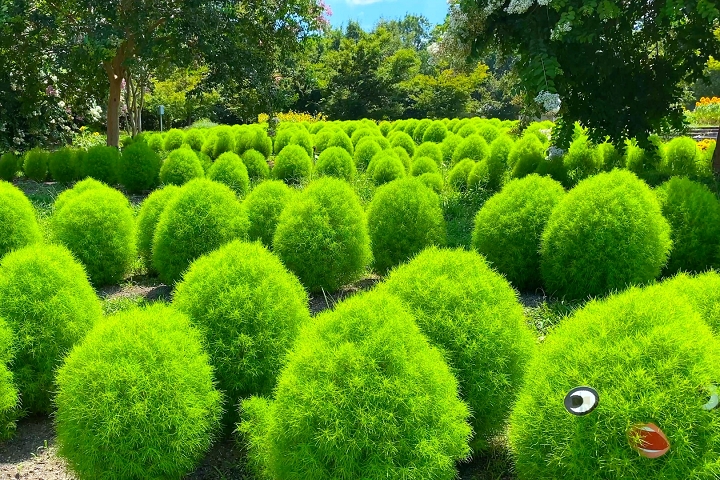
{"x": 101, "y": 163}
{"x": 473, "y": 147}
{"x": 526, "y": 156}
{"x": 256, "y": 164}
{"x": 35, "y": 165}
{"x": 63, "y": 165}
{"x": 18, "y": 225}
{"x": 253, "y": 138}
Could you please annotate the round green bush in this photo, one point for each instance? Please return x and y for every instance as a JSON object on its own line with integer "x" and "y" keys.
{"x": 489, "y": 132}
{"x": 436, "y": 132}
{"x": 173, "y": 140}
{"x": 101, "y": 163}
{"x": 431, "y": 150}
{"x": 433, "y": 181}
{"x": 254, "y": 138}
{"x": 509, "y": 226}
{"x": 419, "y": 131}
{"x": 448, "y": 146}
{"x": 80, "y": 187}
{"x": 526, "y": 156}
{"x": 404, "y": 217}
{"x": 410, "y": 126}
{"x": 365, "y": 150}
{"x": 200, "y": 218}
{"x": 296, "y": 136}
{"x": 18, "y": 225}
{"x": 49, "y": 305}
{"x": 205, "y": 161}
{"x": 489, "y": 174}
{"x": 467, "y": 130}
{"x": 340, "y": 139}
{"x": 458, "y": 176}
{"x": 404, "y": 141}
{"x": 473, "y": 147}
{"x": 263, "y": 207}
{"x": 322, "y": 137}
{"x": 194, "y": 138}
{"x": 139, "y": 168}
{"x": 423, "y": 165}
{"x": 701, "y": 291}
{"x": 9, "y": 397}
{"x": 322, "y": 236}
{"x": 208, "y": 146}
{"x": 181, "y": 166}
{"x": 385, "y": 127}
{"x": 136, "y": 398}
{"x": 400, "y": 153}
{"x": 474, "y": 317}
{"x": 362, "y": 395}
{"x": 9, "y": 166}
{"x": 35, "y": 165}
{"x": 63, "y": 165}
{"x": 385, "y": 167}
{"x": 230, "y": 170}
{"x": 610, "y": 157}
{"x": 680, "y": 157}
{"x": 155, "y": 141}
{"x": 582, "y": 160}
{"x": 98, "y": 227}
{"x": 651, "y": 359}
{"x": 336, "y": 162}
{"x": 605, "y": 234}
{"x": 147, "y": 220}
{"x": 224, "y": 141}
{"x": 292, "y": 165}
{"x": 249, "y": 309}
{"x": 694, "y": 215}
{"x": 362, "y": 133}
{"x": 256, "y": 164}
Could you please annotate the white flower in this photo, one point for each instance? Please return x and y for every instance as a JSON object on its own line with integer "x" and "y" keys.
{"x": 53, "y": 78}
{"x": 554, "y": 152}
{"x": 17, "y": 140}
{"x": 61, "y": 104}
{"x": 522, "y": 6}
{"x": 560, "y": 28}
{"x": 95, "y": 113}
{"x": 433, "y": 48}
{"x": 550, "y": 102}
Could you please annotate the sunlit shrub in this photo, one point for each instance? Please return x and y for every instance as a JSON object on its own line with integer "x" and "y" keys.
{"x": 18, "y": 225}
{"x": 230, "y": 170}
{"x": 181, "y": 166}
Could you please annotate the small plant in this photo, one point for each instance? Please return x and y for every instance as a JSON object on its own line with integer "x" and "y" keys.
{"x": 336, "y": 162}
{"x": 385, "y": 167}
{"x": 253, "y": 138}
{"x": 155, "y": 141}
{"x": 448, "y": 147}
{"x": 404, "y": 218}
{"x": 223, "y": 140}
{"x": 342, "y": 140}
{"x": 101, "y": 163}
{"x": 194, "y": 138}
{"x": 256, "y": 164}
{"x": 423, "y": 165}
{"x": 148, "y": 218}
{"x": 139, "y": 168}
{"x": 322, "y": 236}
{"x": 230, "y": 170}
{"x": 680, "y": 157}
{"x": 35, "y": 165}
{"x": 9, "y": 398}
{"x": 489, "y": 132}
{"x": 526, "y": 156}
{"x": 432, "y": 180}
{"x": 263, "y": 207}
{"x": 582, "y": 160}
{"x": 420, "y": 129}
{"x": 405, "y": 141}
{"x": 9, "y": 166}
{"x": 136, "y": 398}
{"x": 292, "y": 165}
{"x": 18, "y": 225}
{"x": 366, "y": 382}
{"x": 173, "y": 140}
{"x": 431, "y": 150}
{"x": 365, "y": 150}
{"x": 181, "y": 166}
{"x": 49, "y": 305}
{"x": 473, "y": 147}
{"x": 436, "y": 132}
{"x": 489, "y": 174}
{"x": 63, "y": 165}
{"x": 458, "y": 176}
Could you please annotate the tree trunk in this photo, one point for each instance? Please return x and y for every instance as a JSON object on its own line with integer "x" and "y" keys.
{"x": 716, "y": 155}
{"x": 116, "y": 71}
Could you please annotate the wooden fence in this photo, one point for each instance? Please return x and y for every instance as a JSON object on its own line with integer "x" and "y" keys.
{"x": 702, "y": 133}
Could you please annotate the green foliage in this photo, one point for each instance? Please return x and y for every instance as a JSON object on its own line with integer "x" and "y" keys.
{"x": 256, "y": 164}
{"x": 693, "y": 212}
{"x": 610, "y": 156}
{"x": 98, "y": 227}
{"x": 365, "y": 150}
{"x": 419, "y": 131}
{"x": 101, "y": 163}
{"x": 582, "y": 160}
{"x": 680, "y": 157}
{"x": 18, "y": 225}
{"x": 433, "y": 181}
{"x": 448, "y": 147}
{"x": 136, "y": 398}
{"x": 35, "y": 165}
{"x": 253, "y": 138}
{"x": 701, "y": 291}
{"x": 49, "y": 305}
{"x": 473, "y": 316}
{"x": 404, "y": 157}
{"x": 362, "y": 133}
{"x": 385, "y": 167}
{"x": 611, "y": 216}
{"x": 147, "y": 220}
{"x": 340, "y": 139}
{"x": 489, "y": 132}
{"x": 404, "y": 217}
{"x": 526, "y": 156}
{"x": 429, "y": 149}
{"x": 9, "y": 399}
{"x": 80, "y": 187}
{"x": 467, "y": 130}
{"x": 155, "y": 141}
{"x": 295, "y": 136}
{"x": 436, "y": 132}
{"x": 9, "y": 166}
{"x": 224, "y": 141}
{"x": 293, "y": 165}
{"x": 458, "y": 176}
{"x": 473, "y": 147}
{"x": 63, "y": 165}
{"x": 489, "y": 173}
{"x": 139, "y": 168}
{"x": 336, "y": 162}
{"x": 200, "y": 218}
{"x": 230, "y": 170}
{"x": 249, "y": 309}
{"x": 423, "y": 165}
{"x": 173, "y": 140}
{"x": 322, "y": 236}
{"x": 509, "y": 226}
{"x": 650, "y": 357}
{"x": 195, "y": 138}
{"x": 403, "y": 140}
{"x": 366, "y": 382}
{"x": 181, "y": 166}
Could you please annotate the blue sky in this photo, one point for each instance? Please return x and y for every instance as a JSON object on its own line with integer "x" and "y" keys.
{"x": 368, "y": 12}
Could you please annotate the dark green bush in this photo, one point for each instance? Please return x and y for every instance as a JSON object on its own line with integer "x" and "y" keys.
{"x": 256, "y": 164}
{"x": 404, "y": 217}
{"x": 610, "y": 157}
{"x": 63, "y": 165}
{"x": 49, "y": 305}
{"x": 173, "y": 140}
{"x": 35, "y": 165}
{"x": 139, "y": 168}
{"x": 526, "y": 156}
{"x": 292, "y": 165}
{"x": 200, "y": 218}
{"x": 422, "y": 165}
{"x": 18, "y": 225}
{"x": 322, "y": 236}
{"x": 375, "y": 399}
{"x": 181, "y": 166}
{"x": 263, "y": 207}
{"x": 405, "y": 141}
{"x": 651, "y": 359}
{"x": 194, "y": 138}
{"x": 474, "y": 317}
{"x": 458, "y": 176}
{"x": 136, "y": 398}
{"x": 98, "y": 227}
{"x": 431, "y": 150}
{"x": 385, "y": 167}
{"x": 101, "y": 163}
{"x": 230, "y": 170}
{"x": 473, "y": 147}
{"x": 436, "y": 132}
{"x": 694, "y": 215}
{"x": 365, "y": 151}
{"x": 607, "y": 233}
{"x": 336, "y": 162}
{"x": 9, "y": 166}
{"x": 148, "y": 218}
{"x": 582, "y": 160}
{"x": 680, "y": 157}
{"x": 509, "y": 226}
{"x": 249, "y": 309}
{"x": 419, "y": 131}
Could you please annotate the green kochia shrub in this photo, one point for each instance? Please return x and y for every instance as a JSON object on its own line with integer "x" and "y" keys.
{"x": 340, "y": 139}
{"x": 80, "y": 187}
{"x": 473, "y": 147}
{"x": 431, "y": 150}
{"x": 139, "y": 168}
{"x": 489, "y": 132}
{"x": 385, "y": 167}
{"x": 63, "y": 165}
{"x": 582, "y": 160}
{"x": 432, "y": 180}
{"x": 9, "y": 399}
{"x": 194, "y": 138}
{"x": 473, "y": 315}
{"x": 201, "y": 217}
{"x": 136, "y": 398}
{"x": 322, "y": 236}
{"x": 35, "y": 165}
{"x": 651, "y": 359}
{"x": 436, "y": 132}
{"x": 694, "y": 215}
{"x": 18, "y": 225}
{"x": 448, "y": 147}
{"x": 224, "y": 141}
{"x": 607, "y": 233}
{"x": 404, "y": 217}
{"x": 365, "y": 151}
{"x": 701, "y": 291}
{"x": 680, "y": 157}
{"x": 296, "y": 136}
{"x": 419, "y": 131}
{"x": 256, "y": 165}
{"x": 49, "y": 305}
{"x": 336, "y": 162}
{"x": 253, "y": 138}
{"x": 249, "y": 309}
{"x": 375, "y": 399}
{"x": 526, "y": 156}
{"x": 230, "y": 170}
{"x": 9, "y": 166}
{"x": 405, "y": 141}
{"x": 423, "y": 165}
{"x": 101, "y": 163}
{"x": 147, "y": 220}
{"x": 292, "y": 165}
{"x": 98, "y": 227}
{"x": 174, "y": 139}
{"x": 155, "y": 141}
{"x": 263, "y": 207}
{"x": 489, "y": 173}
{"x": 458, "y": 176}
{"x": 509, "y": 226}
{"x": 181, "y": 166}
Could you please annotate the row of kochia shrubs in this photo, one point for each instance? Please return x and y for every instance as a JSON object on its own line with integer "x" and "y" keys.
{"x": 404, "y": 378}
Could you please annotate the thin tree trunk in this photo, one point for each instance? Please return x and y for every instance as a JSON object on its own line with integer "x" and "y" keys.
{"x": 716, "y": 155}
{"x": 116, "y": 71}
